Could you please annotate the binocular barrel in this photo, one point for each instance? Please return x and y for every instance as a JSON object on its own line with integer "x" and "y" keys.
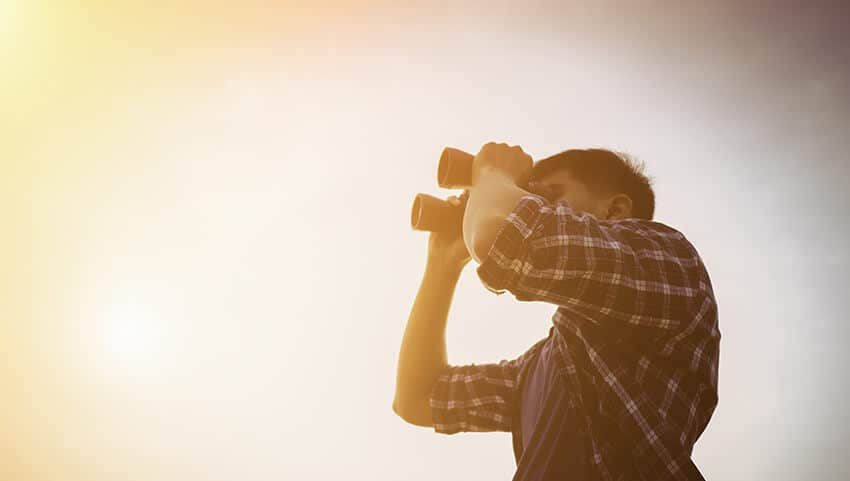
{"x": 455, "y": 169}
{"x": 436, "y": 215}
{"x": 455, "y": 172}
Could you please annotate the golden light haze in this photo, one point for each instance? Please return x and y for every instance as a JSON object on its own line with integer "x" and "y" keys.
{"x": 207, "y": 261}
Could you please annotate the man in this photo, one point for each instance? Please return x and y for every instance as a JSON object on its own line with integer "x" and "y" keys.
{"x": 626, "y": 380}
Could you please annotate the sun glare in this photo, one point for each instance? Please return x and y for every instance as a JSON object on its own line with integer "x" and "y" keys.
{"x": 7, "y": 10}
{"x": 131, "y": 337}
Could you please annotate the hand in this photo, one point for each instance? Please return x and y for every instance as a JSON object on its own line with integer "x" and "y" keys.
{"x": 507, "y": 161}
{"x": 447, "y": 249}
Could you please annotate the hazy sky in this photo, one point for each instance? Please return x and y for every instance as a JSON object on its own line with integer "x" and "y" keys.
{"x": 207, "y": 257}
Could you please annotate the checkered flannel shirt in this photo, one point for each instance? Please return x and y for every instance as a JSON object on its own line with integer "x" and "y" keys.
{"x": 636, "y": 333}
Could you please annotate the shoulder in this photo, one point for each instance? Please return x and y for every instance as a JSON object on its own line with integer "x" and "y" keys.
{"x": 650, "y": 234}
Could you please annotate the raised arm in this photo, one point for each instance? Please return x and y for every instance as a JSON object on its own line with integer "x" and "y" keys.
{"x": 423, "y": 348}
{"x": 497, "y": 169}
{"x": 634, "y": 272}
{"x": 430, "y": 392}
{"x": 491, "y": 199}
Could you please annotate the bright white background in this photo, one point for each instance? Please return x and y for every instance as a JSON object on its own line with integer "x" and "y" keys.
{"x": 207, "y": 263}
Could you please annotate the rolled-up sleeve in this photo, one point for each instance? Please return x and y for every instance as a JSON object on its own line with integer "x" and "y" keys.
{"x": 631, "y": 271}
{"x": 475, "y": 397}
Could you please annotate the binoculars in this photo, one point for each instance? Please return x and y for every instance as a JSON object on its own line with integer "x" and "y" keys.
{"x": 432, "y": 214}
{"x": 453, "y": 172}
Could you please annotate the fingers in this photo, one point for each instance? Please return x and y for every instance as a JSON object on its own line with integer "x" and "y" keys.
{"x": 494, "y": 149}
{"x": 455, "y": 201}
{"x": 490, "y": 145}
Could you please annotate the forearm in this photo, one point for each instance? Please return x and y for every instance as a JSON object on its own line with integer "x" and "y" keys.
{"x": 491, "y": 199}
{"x": 423, "y": 348}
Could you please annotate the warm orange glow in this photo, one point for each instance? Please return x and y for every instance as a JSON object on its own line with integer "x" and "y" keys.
{"x": 206, "y": 258}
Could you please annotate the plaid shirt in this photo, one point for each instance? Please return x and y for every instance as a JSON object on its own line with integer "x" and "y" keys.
{"x": 636, "y": 333}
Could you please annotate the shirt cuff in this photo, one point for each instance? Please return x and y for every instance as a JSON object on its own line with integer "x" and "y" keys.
{"x": 502, "y": 268}
{"x": 446, "y": 418}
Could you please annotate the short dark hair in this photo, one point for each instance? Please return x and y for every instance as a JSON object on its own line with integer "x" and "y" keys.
{"x": 603, "y": 170}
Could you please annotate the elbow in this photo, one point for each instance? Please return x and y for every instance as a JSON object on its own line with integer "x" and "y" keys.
{"x": 396, "y": 409}
{"x": 481, "y": 248}
{"x": 483, "y": 238}
{"x": 417, "y": 415}
{"x": 399, "y": 410}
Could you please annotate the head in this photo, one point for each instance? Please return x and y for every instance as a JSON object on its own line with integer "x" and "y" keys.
{"x": 609, "y": 185}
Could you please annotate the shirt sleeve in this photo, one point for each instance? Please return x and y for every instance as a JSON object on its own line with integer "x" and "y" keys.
{"x": 475, "y": 397}
{"x": 630, "y": 271}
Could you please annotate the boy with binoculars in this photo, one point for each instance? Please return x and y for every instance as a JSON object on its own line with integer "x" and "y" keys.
{"x": 625, "y": 382}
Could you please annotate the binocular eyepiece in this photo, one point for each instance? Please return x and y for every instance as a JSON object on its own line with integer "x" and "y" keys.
{"x": 432, "y": 214}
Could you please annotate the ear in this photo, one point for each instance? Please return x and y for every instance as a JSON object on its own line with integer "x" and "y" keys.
{"x": 619, "y": 207}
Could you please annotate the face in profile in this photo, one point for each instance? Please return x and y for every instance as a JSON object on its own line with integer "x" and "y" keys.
{"x": 560, "y": 185}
